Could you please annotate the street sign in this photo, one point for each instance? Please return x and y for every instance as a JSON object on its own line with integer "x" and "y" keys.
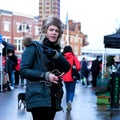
{"x": 0, "y": 38}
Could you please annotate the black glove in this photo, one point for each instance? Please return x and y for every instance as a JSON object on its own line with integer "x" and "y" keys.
{"x": 50, "y": 52}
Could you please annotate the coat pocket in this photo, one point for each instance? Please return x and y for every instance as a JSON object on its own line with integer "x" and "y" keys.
{"x": 37, "y": 91}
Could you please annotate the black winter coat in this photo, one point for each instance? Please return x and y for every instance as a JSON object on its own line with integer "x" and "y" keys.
{"x": 34, "y": 65}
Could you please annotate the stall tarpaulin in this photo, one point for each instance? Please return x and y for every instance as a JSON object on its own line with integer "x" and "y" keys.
{"x": 112, "y": 40}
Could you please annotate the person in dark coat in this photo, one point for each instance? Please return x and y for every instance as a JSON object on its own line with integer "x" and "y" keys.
{"x": 84, "y": 71}
{"x": 42, "y": 65}
{"x": 11, "y": 62}
{"x": 95, "y": 69}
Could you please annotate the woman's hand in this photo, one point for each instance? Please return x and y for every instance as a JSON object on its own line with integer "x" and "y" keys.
{"x": 53, "y": 79}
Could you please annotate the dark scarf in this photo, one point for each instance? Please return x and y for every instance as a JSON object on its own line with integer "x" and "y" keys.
{"x": 52, "y": 45}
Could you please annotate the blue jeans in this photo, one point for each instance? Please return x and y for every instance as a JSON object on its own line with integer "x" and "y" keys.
{"x": 12, "y": 78}
{"x": 70, "y": 90}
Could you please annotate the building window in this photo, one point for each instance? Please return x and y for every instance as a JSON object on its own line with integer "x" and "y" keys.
{"x": 17, "y": 27}
{"x": 76, "y": 38}
{"x": 81, "y": 41}
{"x": 47, "y": 3}
{"x": 36, "y": 30}
{"x": 47, "y": 12}
{"x": 6, "y": 26}
{"x": 18, "y": 44}
{"x": 40, "y": 12}
{"x": 24, "y": 28}
{"x": 71, "y": 38}
{"x": 47, "y": 8}
{"x": 76, "y": 49}
{"x": 6, "y": 39}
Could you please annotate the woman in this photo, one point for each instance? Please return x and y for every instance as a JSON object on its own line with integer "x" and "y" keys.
{"x": 42, "y": 65}
{"x": 68, "y": 78}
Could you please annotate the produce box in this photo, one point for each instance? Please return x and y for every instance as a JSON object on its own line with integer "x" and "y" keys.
{"x": 103, "y": 98}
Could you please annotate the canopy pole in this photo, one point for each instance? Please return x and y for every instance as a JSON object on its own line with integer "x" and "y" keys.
{"x": 105, "y": 61}
{"x": 1, "y": 67}
{"x": 1, "y": 71}
{"x": 103, "y": 64}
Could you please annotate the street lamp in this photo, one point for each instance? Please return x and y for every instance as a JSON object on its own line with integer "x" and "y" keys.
{"x": 24, "y": 28}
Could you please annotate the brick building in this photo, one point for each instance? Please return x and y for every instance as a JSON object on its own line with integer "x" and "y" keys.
{"x": 15, "y": 25}
{"x": 74, "y": 37}
{"x": 10, "y": 22}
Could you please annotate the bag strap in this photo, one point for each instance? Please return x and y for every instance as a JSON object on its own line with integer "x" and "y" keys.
{"x": 73, "y": 61}
{"x": 42, "y": 63}
{"x": 39, "y": 54}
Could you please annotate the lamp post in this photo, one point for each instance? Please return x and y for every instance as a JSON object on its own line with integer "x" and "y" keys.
{"x": 1, "y": 68}
{"x": 24, "y": 28}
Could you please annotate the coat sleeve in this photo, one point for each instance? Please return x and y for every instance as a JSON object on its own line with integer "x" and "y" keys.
{"x": 62, "y": 64}
{"x": 29, "y": 67}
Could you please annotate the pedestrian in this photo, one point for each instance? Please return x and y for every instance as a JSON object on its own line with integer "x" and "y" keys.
{"x": 95, "y": 69}
{"x": 18, "y": 78}
{"x": 67, "y": 77}
{"x": 17, "y": 71}
{"x": 42, "y": 65}
{"x": 11, "y": 62}
{"x": 84, "y": 72}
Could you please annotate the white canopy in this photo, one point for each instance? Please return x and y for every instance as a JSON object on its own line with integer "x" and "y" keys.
{"x": 99, "y": 49}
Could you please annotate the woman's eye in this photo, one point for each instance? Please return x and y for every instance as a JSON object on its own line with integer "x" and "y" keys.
{"x": 57, "y": 31}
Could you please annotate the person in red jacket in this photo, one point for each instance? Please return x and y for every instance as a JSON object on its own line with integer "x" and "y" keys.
{"x": 17, "y": 71}
{"x": 67, "y": 77}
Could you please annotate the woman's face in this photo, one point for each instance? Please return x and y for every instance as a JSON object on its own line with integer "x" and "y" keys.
{"x": 52, "y": 33}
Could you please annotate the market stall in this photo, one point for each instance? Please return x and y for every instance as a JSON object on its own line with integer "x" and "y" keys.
{"x": 113, "y": 41}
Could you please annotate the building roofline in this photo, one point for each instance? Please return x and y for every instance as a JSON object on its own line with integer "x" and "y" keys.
{"x": 7, "y": 12}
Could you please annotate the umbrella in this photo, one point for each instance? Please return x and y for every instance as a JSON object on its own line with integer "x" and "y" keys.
{"x": 7, "y": 48}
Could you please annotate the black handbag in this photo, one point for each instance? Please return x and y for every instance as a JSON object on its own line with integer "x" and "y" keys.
{"x": 75, "y": 73}
{"x": 57, "y": 93}
{"x": 56, "y": 96}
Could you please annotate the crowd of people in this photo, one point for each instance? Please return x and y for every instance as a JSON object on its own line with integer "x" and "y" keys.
{"x": 11, "y": 71}
{"x": 89, "y": 73}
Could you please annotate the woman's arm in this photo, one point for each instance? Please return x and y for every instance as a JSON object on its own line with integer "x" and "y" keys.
{"x": 29, "y": 60}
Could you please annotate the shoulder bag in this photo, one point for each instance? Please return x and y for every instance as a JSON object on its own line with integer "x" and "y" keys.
{"x": 75, "y": 73}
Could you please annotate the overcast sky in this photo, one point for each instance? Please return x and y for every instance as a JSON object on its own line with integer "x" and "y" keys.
{"x": 97, "y": 17}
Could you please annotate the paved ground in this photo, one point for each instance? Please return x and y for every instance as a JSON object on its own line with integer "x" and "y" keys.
{"x": 84, "y": 107}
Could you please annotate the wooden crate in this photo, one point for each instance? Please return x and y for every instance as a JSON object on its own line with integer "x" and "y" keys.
{"x": 103, "y": 100}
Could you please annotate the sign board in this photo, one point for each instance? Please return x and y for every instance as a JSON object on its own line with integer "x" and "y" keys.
{"x": 0, "y": 38}
{"x": 115, "y": 88}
